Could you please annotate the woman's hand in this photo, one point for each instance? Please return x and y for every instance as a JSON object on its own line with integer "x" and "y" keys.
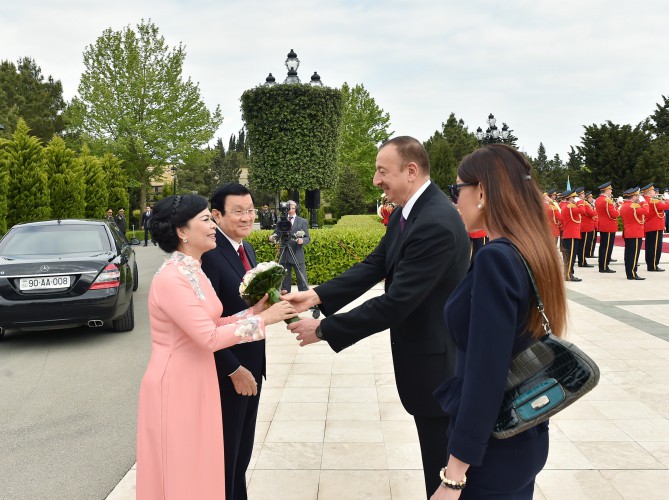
{"x": 277, "y": 312}
{"x": 261, "y": 305}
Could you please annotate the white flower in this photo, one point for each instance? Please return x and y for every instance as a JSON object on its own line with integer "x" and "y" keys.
{"x": 299, "y": 234}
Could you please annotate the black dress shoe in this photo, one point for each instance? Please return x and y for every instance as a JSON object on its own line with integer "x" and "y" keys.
{"x": 638, "y": 278}
{"x": 574, "y": 278}
{"x": 613, "y": 260}
{"x": 656, "y": 270}
{"x": 144, "y": 245}
{"x": 607, "y": 271}
{"x": 586, "y": 265}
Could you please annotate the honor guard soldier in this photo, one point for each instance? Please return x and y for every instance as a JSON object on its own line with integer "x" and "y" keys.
{"x": 608, "y": 214}
{"x": 654, "y": 226}
{"x": 571, "y": 232}
{"x": 633, "y": 216}
{"x": 553, "y": 213}
{"x": 591, "y": 246}
{"x": 587, "y": 226}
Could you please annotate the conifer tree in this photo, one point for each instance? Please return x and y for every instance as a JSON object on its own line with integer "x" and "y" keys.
{"x": 117, "y": 182}
{"x": 4, "y": 178}
{"x": 28, "y": 189}
{"x": 66, "y": 185}
{"x": 97, "y": 193}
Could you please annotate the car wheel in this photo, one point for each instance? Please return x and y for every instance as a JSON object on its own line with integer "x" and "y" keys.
{"x": 126, "y": 322}
{"x": 135, "y": 277}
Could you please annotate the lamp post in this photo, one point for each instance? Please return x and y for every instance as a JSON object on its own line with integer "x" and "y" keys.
{"x": 493, "y": 134}
{"x": 174, "y": 170}
{"x": 292, "y": 63}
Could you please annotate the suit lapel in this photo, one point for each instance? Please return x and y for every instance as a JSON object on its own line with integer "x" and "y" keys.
{"x": 399, "y": 237}
{"x": 229, "y": 253}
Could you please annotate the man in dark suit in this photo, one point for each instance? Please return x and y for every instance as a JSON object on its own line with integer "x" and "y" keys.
{"x": 241, "y": 367}
{"x": 292, "y": 250}
{"x": 145, "y": 223}
{"x": 422, "y": 257}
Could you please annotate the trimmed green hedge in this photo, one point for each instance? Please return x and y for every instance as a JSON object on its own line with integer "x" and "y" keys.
{"x": 331, "y": 251}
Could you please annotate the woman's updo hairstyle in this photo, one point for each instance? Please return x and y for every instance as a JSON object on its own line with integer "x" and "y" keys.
{"x": 169, "y": 214}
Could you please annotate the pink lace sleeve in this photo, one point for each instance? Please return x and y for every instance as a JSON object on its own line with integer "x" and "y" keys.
{"x": 175, "y": 296}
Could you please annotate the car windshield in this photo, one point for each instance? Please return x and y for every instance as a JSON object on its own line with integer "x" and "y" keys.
{"x": 55, "y": 240}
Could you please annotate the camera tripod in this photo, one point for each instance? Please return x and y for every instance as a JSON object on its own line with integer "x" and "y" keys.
{"x": 283, "y": 239}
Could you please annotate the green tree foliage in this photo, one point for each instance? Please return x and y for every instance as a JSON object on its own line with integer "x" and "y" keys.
{"x": 613, "y": 152}
{"x": 653, "y": 166}
{"x": 24, "y": 93}
{"x": 133, "y": 95}
{"x": 117, "y": 182}
{"x": 197, "y": 173}
{"x": 66, "y": 184}
{"x": 660, "y": 118}
{"x": 549, "y": 173}
{"x": 28, "y": 189}
{"x": 293, "y": 134}
{"x": 446, "y": 149}
{"x": 349, "y": 195}
{"x": 97, "y": 192}
{"x": 364, "y": 126}
{"x": 4, "y": 181}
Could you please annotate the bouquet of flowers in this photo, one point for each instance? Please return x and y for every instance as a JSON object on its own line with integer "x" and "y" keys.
{"x": 263, "y": 279}
{"x": 299, "y": 234}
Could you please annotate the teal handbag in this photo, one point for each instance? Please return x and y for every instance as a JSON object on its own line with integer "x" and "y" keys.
{"x": 543, "y": 379}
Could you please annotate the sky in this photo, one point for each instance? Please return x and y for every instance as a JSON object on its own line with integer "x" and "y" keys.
{"x": 547, "y": 69}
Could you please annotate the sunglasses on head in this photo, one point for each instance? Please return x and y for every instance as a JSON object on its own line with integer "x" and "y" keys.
{"x": 454, "y": 189}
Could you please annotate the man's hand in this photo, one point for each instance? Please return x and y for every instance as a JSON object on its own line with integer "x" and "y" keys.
{"x": 244, "y": 382}
{"x": 300, "y": 241}
{"x": 302, "y": 300}
{"x": 305, "y": 330}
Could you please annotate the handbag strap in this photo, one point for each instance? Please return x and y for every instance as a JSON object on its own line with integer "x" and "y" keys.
{"x": 540, "y": 305}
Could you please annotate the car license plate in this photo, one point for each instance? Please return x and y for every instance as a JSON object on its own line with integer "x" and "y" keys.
{"x": 44, "y": 282}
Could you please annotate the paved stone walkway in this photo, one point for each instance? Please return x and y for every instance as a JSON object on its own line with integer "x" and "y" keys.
{"x": 331, "y": 425}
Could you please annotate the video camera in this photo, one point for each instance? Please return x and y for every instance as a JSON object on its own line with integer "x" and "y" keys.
{"x": 283, "y": 225}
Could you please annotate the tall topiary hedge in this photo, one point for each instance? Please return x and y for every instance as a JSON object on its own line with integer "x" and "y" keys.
{"x": 293, "y": 134}
{"x": 331, "y": 251}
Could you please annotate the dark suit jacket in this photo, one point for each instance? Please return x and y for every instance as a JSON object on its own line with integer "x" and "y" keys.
{"x": 421, "y": 265}
{"x": 224, "y": 269}
{"x": 146, "y": 219}
{"x": 299, "y": 224}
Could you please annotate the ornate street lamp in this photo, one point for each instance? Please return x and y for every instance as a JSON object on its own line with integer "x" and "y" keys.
{"x": 174, "y": 170}
{"x": 270, "y": 80}
{"x": 492, "y": 133}
{"x": 292, "y": 63}
{"x": 316, "y": 80}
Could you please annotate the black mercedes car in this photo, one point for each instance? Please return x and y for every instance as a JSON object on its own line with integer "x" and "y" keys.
{"x": 66, "y": 273}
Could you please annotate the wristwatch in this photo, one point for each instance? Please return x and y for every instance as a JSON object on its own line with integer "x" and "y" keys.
{"x": 319, "y": 333}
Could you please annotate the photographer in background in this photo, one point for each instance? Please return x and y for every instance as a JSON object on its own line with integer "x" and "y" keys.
{"x": 292, "y": 239}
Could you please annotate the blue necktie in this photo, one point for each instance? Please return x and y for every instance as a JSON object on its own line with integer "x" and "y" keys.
{"x": 402, "y": 222}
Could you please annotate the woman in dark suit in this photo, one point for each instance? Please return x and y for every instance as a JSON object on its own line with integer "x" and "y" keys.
{"x": 492, "y": 316}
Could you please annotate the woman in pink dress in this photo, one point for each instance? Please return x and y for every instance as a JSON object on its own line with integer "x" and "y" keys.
{"x": 179, "y": 434}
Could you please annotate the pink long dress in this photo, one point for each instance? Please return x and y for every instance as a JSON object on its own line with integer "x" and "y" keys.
{"x": 179, "y": 431}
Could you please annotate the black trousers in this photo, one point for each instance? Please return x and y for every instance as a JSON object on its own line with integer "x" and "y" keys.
{"x": 570, "y": 246}
{"x": 239, "y": 427}
{"x": 632, "y": 249}
{"x": 584, "y": 247}
{"x": 146, "y": 235}
{"x": 593, "y": 241}
{"x": 653, "y": 249}
{"x": 606, "y": 244}
{"x": 433, "y": 438}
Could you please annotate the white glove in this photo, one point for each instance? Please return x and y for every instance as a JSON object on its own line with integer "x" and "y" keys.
{"x": 641, "y": 198}
{"x": 620, "y": 199}
{"x": 577, "y": 199}
{"x": 665, "y": 196}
